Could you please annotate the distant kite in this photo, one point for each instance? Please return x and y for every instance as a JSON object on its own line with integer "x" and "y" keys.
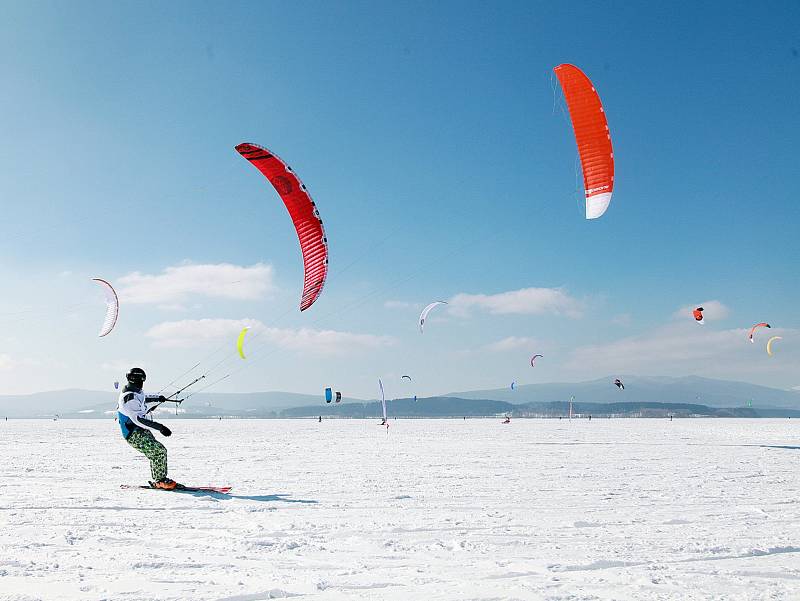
{"x": 424, "y": 315}
{"x": 769, "y": 344}
{"x": 533, "y": 360}
{"x": 698, "y": 315}
{"x": 240, "y": 342}
{"x": 385, "y": 421}
{"x": 112, "y": 307}
{"x": 618, "y": 383}
{"x": 758, "y": 325}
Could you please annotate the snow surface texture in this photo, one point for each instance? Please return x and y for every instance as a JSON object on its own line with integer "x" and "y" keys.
{"x": 436, "y": 509}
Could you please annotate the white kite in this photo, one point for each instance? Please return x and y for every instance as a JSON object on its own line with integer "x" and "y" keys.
{"x": 424, "y": 315}
{"x": 112, "y": 307}
{"x": 385, "y": 421}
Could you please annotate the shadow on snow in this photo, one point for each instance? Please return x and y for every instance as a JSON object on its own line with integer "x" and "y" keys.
{"x": 270, "y": 498}
{"x": 276, "y": 498}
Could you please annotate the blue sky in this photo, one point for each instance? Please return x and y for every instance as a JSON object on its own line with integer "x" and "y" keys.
{"x": 433, "y": 139}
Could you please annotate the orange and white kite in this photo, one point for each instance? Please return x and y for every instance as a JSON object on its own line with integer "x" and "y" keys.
{"x": 592, "y": 136}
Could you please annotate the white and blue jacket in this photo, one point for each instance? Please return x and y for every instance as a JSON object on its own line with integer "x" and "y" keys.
{"x": 131, "y": 407}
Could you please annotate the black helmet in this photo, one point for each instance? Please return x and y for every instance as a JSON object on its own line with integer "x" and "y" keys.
{"x": 136, "y": 376}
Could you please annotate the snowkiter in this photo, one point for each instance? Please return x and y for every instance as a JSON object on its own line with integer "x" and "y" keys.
{"x": 132, "y": 414}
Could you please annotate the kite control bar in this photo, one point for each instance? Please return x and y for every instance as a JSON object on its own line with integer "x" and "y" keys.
{"x": 177, "y": 392}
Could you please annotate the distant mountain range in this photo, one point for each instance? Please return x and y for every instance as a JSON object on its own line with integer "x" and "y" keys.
{"x": 92, "y": 403}
{"x": 643, "y": 395}
{"x": 660, "y": 389}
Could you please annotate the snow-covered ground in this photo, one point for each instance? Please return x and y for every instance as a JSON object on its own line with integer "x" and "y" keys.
{"x": 436, "y": 509}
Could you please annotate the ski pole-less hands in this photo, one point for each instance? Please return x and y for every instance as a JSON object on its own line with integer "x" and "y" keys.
{"x": 148, "y": 423}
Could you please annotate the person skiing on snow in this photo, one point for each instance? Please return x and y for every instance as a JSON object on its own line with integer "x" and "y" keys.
{"x": 132, "y": 412}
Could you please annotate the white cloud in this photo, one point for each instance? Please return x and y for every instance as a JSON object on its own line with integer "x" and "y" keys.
{"x": 191, "y": 332}
{"x": 6, "y": 362}
{"x": 9, "y": 363}
{"x": 187, "y": 333}
{"x": 663, "y": 346}
{"x": 179, "y": 283}
{"x": 512, "y": 343}
{"x": 325, "y": 342}
{"x": 685, "y": 348}
{"x": 713, "y": 310}
{"x": 527, "y": 301}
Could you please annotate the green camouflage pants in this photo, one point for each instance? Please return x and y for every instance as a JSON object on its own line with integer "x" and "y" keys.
{"x": 144, "y": 442}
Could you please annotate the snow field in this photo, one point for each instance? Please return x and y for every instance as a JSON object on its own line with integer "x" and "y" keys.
{"x": 435, "y": 510}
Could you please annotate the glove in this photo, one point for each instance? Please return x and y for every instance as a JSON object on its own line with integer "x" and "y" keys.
{"x": 165, "y": 431}
{"x": 163, "y": 399}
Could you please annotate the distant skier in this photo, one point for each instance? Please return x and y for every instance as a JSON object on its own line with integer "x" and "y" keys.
{"x": 132, "y": 411}
{"x": 320, "y": 419}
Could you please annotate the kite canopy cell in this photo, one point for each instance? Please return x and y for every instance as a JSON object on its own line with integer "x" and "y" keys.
{"x": 592, "y": 136}
{"x": 304, "y": 214}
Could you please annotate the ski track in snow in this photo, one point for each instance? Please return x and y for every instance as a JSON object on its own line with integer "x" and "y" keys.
{"x": 436, "y": 510}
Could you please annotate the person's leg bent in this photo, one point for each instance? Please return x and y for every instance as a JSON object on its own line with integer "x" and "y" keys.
{"x": 144, "y": 442}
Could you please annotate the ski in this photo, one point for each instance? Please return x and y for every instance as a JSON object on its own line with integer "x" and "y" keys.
{"x": 223, "y": 490}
